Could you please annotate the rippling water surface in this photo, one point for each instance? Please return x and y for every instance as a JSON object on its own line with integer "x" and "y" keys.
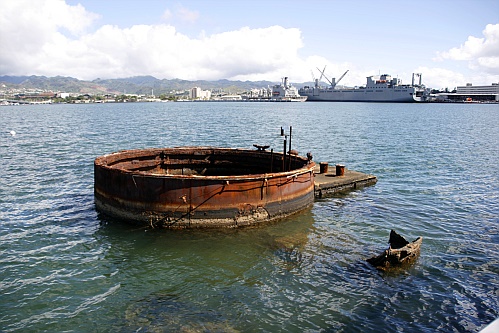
{"x": 65, "y": 268}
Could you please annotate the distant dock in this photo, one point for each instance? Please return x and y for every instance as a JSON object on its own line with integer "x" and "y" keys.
{"x": 330, "y": 181}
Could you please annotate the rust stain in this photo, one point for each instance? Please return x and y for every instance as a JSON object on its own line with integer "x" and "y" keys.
{"x": 201, "y": 186}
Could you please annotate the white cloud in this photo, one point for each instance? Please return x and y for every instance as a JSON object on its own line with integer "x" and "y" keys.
{"x": 167, "y": 15}
{"x": 481, "y": 53}
{"x": 42, "y": 19}
{"x": 187, "y": 15}
{"x": 180, "y": 13}
{"x": 27, "y": 30}
{"x": 247, "y": 53}
{"x": 440, "y": 78}
{"x": 53, "y": 38}
{"x": 36, "y": 43}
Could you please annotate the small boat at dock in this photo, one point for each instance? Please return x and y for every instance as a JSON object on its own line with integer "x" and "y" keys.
{"x": 399, "y": 253}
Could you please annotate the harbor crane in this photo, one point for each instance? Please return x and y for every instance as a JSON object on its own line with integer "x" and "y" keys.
{"x": 341, "y": 77}
{"x": 322, "y": 74}
{"x": 333, "y": 83}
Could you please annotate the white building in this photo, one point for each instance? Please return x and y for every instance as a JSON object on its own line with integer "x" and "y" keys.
{"x": 470, "y": 93}
{"x": 198, "y": 93}
{"x": 469, "y": 89}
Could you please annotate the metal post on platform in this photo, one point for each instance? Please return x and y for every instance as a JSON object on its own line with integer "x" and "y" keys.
{"x": 323, "y": 167}
{"x": 340, "y": 170}
{"x": 284, "y": 155}
{"x": 271, "y": 159}
{"x": 289, "y": 151}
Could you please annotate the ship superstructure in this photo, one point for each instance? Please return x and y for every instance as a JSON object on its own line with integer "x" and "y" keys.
{"x": 283, "y": 92}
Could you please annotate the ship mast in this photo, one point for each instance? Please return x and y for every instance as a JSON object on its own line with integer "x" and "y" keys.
{"x": 420, "y": 79}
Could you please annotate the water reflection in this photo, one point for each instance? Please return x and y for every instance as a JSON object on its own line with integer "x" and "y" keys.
{"x": 61, "y": 264}
{"x": 216, "y": 274}
{"x": 164, "y": 312}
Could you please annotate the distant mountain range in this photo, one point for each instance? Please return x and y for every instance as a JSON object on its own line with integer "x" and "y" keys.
{"x": 132, "y": 85}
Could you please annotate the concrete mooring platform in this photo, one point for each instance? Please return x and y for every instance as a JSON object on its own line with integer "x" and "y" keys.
{"x": 330, "y": 182}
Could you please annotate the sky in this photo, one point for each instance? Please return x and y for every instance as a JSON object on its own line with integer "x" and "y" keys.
{"x": 450, "y": 42}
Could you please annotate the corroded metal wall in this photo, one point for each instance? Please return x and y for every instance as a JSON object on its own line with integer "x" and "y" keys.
{"x": 169, "y": 188}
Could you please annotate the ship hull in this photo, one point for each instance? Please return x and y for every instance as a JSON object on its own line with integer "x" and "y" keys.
{"x": 382, "y": 88}
{"x": 359, "y": 95}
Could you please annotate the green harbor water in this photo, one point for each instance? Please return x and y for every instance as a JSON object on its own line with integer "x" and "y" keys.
{"x": 65, "y": 268}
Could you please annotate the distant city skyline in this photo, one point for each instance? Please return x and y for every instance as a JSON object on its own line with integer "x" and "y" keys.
{"x": 450, "y": 42}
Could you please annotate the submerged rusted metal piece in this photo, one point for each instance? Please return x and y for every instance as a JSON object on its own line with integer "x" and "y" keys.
{"x": 399, "y": 254}
{"x": 202, "y": 187}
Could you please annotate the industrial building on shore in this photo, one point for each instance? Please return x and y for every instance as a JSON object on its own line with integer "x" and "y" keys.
{"x": 470, "y": 93}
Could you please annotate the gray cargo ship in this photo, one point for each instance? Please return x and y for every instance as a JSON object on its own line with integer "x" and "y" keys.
{"x": 381, "y": 88}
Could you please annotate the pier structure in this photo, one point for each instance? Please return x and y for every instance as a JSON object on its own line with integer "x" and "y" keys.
{"x": 209, "y": 187}
{"x": 328, "y": 182}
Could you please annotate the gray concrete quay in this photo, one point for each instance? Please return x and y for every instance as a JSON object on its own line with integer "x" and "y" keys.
{"x": 339, "y": 180}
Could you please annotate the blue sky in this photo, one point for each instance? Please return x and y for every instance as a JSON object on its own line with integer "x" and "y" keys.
{"x": 450, "y": 42}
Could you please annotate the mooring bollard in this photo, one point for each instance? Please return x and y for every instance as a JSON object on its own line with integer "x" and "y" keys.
{"x": 323, "y": 167}
{"x": 340, "y": 170}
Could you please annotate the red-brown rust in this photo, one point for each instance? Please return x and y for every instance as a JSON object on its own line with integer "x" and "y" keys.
{"x": 201, "y": 186}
